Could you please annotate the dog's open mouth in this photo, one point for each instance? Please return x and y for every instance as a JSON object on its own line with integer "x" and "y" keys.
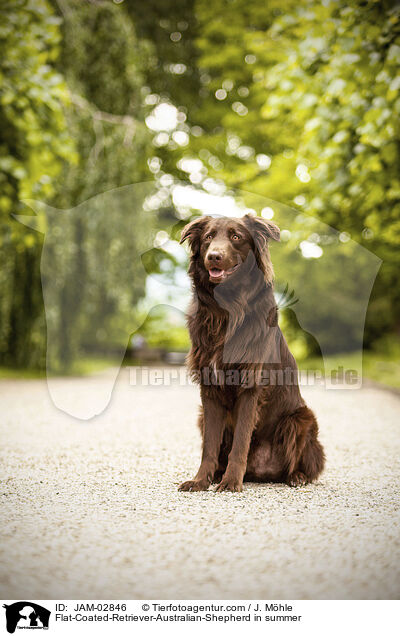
{"x": 216, "y": 274}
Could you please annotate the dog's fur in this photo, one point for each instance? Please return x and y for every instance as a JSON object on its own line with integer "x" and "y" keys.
{"x": 252, "y": 430}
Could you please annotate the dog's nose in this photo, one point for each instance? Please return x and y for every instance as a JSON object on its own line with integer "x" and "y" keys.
{"x": 214, "y": 257}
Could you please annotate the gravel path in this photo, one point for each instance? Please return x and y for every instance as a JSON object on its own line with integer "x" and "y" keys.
{"x": 91, "y": 509}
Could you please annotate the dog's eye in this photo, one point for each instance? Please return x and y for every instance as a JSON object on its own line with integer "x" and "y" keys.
{"x": 208, "y": 237}
{"x": 235, "y": 237}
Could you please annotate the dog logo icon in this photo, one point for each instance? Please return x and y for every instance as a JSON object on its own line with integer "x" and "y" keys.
{"x": 26, "y": 615}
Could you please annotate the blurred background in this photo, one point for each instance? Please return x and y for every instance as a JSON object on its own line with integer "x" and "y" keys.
{"x": 289, "y": 110}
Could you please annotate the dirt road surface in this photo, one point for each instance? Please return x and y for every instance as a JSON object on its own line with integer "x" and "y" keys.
{"x": 91, "y": 509}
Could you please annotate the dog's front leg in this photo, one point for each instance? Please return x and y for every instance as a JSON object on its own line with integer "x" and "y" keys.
{"x": 245, "y": 412}
{"x": 214, "y": 418}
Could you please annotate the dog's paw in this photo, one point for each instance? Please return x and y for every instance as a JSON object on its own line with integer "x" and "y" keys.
{"x": 231, "y": 485}
{"x": 218, "y": 477}
{"x": 194, "y": 485}
{"x": 297, "y": 479}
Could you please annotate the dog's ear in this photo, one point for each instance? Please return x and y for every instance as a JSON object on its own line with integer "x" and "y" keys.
{"x": 192, "y": 231}
{"x": 262, "y": 230}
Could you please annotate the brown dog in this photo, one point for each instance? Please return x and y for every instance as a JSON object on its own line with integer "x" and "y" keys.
{"x": 254, "y": 422}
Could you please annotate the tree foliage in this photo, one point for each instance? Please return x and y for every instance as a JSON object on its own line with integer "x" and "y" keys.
{"x": 35, "y": 142}
{"x": 73, "y": 126}
{"x": 297, "y": 102}
{"x": 302, "y": 105}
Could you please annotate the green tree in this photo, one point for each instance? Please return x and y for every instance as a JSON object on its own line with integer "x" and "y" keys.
{"x": 336, "y": 91}
{"x": 103, "y": 63}
{"x": 34, "y": 144}
{"x": 301, "y": 105}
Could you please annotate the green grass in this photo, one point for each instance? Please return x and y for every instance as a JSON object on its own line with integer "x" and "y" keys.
{"x": 88, "y": 366}
{"x": 381, "y": 366}
{"x": 10, "y": 373}
{"x": 84, "y": 367}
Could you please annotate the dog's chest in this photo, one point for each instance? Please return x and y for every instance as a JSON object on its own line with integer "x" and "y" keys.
{"x": 215, "y": 361}
{"x": 211, "y": 358}
{"x": 208, "y": 340}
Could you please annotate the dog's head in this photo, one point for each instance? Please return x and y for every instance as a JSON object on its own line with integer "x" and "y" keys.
{"x": 230, "y": 248}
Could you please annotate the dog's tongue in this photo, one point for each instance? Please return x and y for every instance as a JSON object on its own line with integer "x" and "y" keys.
{"x": 216, "y": 273}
